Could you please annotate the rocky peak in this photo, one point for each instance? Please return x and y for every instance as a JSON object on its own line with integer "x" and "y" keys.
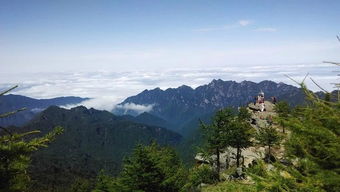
{"x": 181, "y": 104}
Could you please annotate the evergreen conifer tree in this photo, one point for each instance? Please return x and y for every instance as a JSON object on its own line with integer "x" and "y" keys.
{"x": 282, "y": 109}
{"x": 215, "y": 134}
{"x": 228, "y": 130}
{"x": 268, "y": 136}
{"x": 15, "y": 152}
{"x": 313, "y": 147}
{"x": 239, "y": 133}
{"x": 151, "y": 169}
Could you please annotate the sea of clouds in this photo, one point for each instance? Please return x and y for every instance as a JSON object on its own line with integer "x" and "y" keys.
{"x": 107, "y": 89}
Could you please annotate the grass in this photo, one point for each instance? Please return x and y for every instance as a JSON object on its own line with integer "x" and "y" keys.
{"x": 233, "y": 186}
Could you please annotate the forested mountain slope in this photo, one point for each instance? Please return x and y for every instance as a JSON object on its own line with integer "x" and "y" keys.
{"x": 92, "y": 140}
{"x": 33, "y": 106}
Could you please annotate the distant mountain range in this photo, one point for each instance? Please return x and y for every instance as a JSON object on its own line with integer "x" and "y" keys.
{"x": 95, "y": 139}
{"x": 33, "y": 106}
{"x": 92, "y": 140}
{"x": 177, "y": 109}
{"x": 180, "y": 106}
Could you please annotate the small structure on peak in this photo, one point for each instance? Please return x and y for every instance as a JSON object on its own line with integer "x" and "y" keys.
{"x": 260, "y": 99}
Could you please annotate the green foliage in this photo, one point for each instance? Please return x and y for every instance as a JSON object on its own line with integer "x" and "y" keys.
{"x": 268, "y": 136}
{"x": 243, "y": 114}
{"x": 233, "y": 186}
{"x": 15, "y": 154}
{"x": 315, "y": 141}
{"x": 281, "y": 179}
{"x": 105, "y": 183}
{"x": 239, "y": 133}
{"x": 93, "y": 140}
{"x": 215, "y": 134}
{"x": 150, "y": 168}
{"x": 282, "y": 109}
{"x": 258, "y": 169}
{"x": 81, "y": 185}
{"x": 327, "y": 97}
{"x": 313, "y": 146}
{"x": 201, "y": 174}
{"x": 228, "y": 130}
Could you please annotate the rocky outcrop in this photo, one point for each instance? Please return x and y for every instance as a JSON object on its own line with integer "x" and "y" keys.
{"x": 249, "y": 155}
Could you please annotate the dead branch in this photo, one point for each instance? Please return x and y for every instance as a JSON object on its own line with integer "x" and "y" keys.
{"x": 318, "y": 85}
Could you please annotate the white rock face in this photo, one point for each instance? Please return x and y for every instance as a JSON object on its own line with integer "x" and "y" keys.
{"x": 228, "y": 158}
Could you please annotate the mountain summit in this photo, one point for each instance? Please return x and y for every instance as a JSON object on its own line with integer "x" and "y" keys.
{"x": 181, "y": 105}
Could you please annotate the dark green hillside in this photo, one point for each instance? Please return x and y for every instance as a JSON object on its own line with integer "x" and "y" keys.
{"x": 33, "y": 106}
{"x": 92, "y": 140}
{"x": 149, "y": 119}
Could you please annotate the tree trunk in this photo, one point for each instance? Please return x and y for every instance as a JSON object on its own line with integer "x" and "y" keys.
{"x": 269, "y": 153}
{"x": 238, "y": 156}
{"x": 218, "y": 163}
{"x": 283, "y": 128}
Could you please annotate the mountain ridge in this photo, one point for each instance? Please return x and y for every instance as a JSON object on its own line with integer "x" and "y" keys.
{"x": 33, "y": 106}
{"x": 92, "y": 140}
{"x": 179, "y": 105}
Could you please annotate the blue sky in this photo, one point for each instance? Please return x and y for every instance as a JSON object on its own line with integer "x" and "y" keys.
{"x": 266, "y": 37}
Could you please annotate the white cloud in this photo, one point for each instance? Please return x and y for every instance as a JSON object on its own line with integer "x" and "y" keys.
{"x": 240, "y": 23}
{"x": 134, "y": 107}
{"x": 110, "y": 104}
{"x": 244, "y": 23}
{"x": 195, "y": 67}
{"x": 110, "y": 88}
{"x": 266, "y": 29}
{"x": 103, "y": 103}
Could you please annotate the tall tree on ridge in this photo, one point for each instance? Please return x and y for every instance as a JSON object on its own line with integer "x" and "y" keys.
{"x": 268, "y": 136}
{"x": 215, "y": 134}
{"x": 239, "y": 133}
{"x": 282, "y": 109}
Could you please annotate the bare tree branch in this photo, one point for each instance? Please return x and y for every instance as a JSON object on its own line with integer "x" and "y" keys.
{"x": 11, "y": 113}
{"x": 8, "y": 90}
{"x": 318, "y": 85}
{"x": 292, "y": 79}
{"x": 331, "y": 62}
{"x": 305, "y": 78}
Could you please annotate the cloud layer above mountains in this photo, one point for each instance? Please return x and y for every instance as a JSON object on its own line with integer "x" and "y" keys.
{"x": 107, "y": 89}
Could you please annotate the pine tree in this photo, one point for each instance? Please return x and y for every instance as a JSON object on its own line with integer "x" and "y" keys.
{"x": 152, "y": 169}
{"x": 228, "y": 130}
{"x": 15, "y": 152}
{"x": 282, "y": 109}
{"x": 215, "y": 134}
{"x": 243, "y": 114}
{"x": 106, "y": 183}
{"x": 268, "y": 136}
{"x": 239, "y": 133}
